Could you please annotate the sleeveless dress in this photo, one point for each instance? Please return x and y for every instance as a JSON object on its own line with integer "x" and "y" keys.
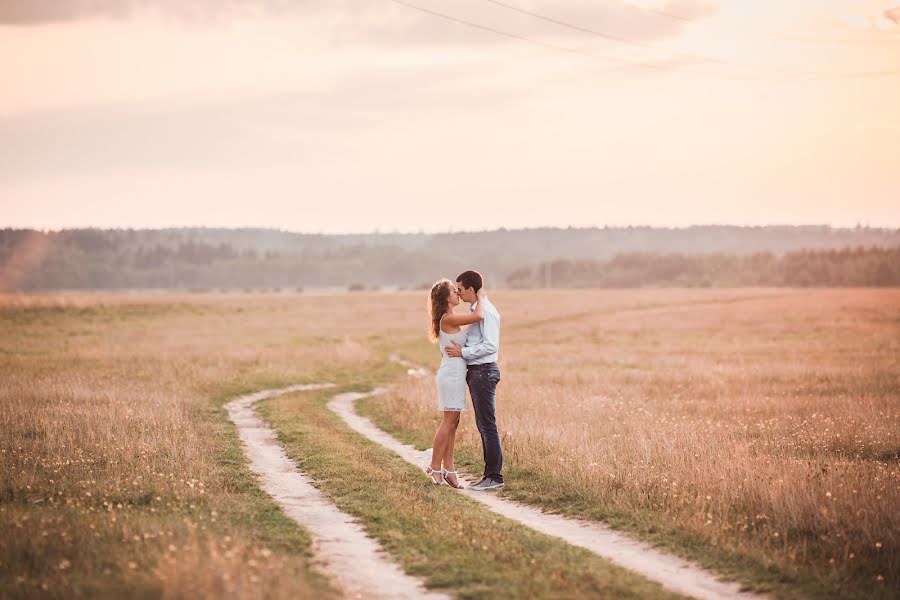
{"x": 451, "y": 375}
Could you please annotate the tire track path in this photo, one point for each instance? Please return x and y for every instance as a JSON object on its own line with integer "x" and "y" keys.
{"x": 673, "y": 573}
{"x": 354, "y": 561}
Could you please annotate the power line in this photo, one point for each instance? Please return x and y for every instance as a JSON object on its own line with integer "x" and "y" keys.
{"x": 522, "y": 38}
{"x": 633, "y": 42}
{"x": 514, "y": 36}
{"x": 601, "y": 34}
{"x": 629, "y": 62}
{"x": 769, "y": 34}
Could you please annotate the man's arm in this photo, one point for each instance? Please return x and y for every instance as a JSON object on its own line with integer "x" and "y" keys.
{"x": 490, "y": 341}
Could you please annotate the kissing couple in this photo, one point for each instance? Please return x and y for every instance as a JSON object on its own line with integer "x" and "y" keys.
{"x": 470, "y": 346}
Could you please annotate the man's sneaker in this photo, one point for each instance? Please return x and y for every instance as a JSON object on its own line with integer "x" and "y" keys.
{"x": 486, "y": 484}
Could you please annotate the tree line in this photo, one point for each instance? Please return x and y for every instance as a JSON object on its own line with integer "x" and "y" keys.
{"x": 86, "y": 259}
{"x": 848, "y": 267}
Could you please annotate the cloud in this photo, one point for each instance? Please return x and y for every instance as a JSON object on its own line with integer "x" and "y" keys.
{"x": 893, "y": 14}
{"x": 614, "y": 18}
{"x": 36, "y": 12}
{"x": 384, "y": 20}
{"x": 281, "y": 128}
{"x": 371, "y": 84}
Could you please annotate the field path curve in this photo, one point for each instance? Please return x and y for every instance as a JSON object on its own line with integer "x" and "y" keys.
{"x": 675, "y": 574}
{"x": 354, "y": 561}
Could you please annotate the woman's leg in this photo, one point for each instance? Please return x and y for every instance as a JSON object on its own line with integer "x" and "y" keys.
{"x": 441, "y": 438}
{"x": 452, "y": 419}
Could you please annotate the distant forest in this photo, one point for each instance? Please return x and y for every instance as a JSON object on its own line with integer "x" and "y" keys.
{"x": 850, "y": 267}
{"x": 208, "y": 259}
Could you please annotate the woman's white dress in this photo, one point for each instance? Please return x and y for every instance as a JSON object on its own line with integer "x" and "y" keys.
{"x": 451, "y": 375}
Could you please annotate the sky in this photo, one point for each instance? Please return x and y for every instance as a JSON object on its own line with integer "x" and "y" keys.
{"x": 340, "y": 116}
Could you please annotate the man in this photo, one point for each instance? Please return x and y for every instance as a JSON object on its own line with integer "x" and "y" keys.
{"x": 480, "y": 352}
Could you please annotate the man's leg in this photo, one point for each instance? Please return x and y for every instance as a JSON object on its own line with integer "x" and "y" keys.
{"x": 483, "y": 388}
{"x": 470, "y": 378}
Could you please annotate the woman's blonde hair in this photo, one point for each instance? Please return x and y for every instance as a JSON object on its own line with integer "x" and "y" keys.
{"x": 438, "y": 303}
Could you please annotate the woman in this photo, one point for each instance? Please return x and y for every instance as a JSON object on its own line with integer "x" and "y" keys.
{"x": 446, "y": 327}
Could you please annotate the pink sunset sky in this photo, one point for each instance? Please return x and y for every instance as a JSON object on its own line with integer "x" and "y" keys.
{"x": 354, "y": 116}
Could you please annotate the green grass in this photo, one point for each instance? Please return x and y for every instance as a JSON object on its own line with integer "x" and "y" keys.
{"x": 754, "y": 572}
{"x": 454, "y": 543}
{"x": 248, "y": 507}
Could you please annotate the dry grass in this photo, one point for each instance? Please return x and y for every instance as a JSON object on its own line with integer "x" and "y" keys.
{"x": 120, "y": 475}
{"x": 759, "y": 424}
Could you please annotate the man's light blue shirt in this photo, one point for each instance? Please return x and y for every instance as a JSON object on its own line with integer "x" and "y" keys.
{"x": 483, "y": 337}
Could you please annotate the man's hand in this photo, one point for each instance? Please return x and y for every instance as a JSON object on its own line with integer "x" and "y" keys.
{"x": 455, "y": 350}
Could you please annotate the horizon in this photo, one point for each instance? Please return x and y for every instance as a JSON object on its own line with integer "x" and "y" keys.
{"x": 857, "y": 226}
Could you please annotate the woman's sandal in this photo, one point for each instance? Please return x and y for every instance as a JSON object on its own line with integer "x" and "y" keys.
{"x": 445, "y": 472}
{"x": 431, "y": 473}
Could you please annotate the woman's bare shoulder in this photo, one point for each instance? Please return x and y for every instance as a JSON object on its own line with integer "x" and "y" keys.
{"x": 453, "y": 328}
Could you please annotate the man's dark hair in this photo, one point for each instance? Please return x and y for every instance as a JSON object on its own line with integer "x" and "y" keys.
{"x": 471, "y": 279}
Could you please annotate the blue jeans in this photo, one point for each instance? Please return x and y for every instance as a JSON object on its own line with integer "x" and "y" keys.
{"x": 483, "y": 380}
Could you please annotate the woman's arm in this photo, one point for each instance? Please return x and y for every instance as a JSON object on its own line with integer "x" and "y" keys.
{"x": 468, "y": 318}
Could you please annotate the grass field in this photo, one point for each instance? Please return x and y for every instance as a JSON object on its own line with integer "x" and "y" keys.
{"x": 756, "y": 431}
{"x": 121, "y": 476}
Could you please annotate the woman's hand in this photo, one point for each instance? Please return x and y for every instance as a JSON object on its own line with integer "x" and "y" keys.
{"x": 479, "y": 305}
